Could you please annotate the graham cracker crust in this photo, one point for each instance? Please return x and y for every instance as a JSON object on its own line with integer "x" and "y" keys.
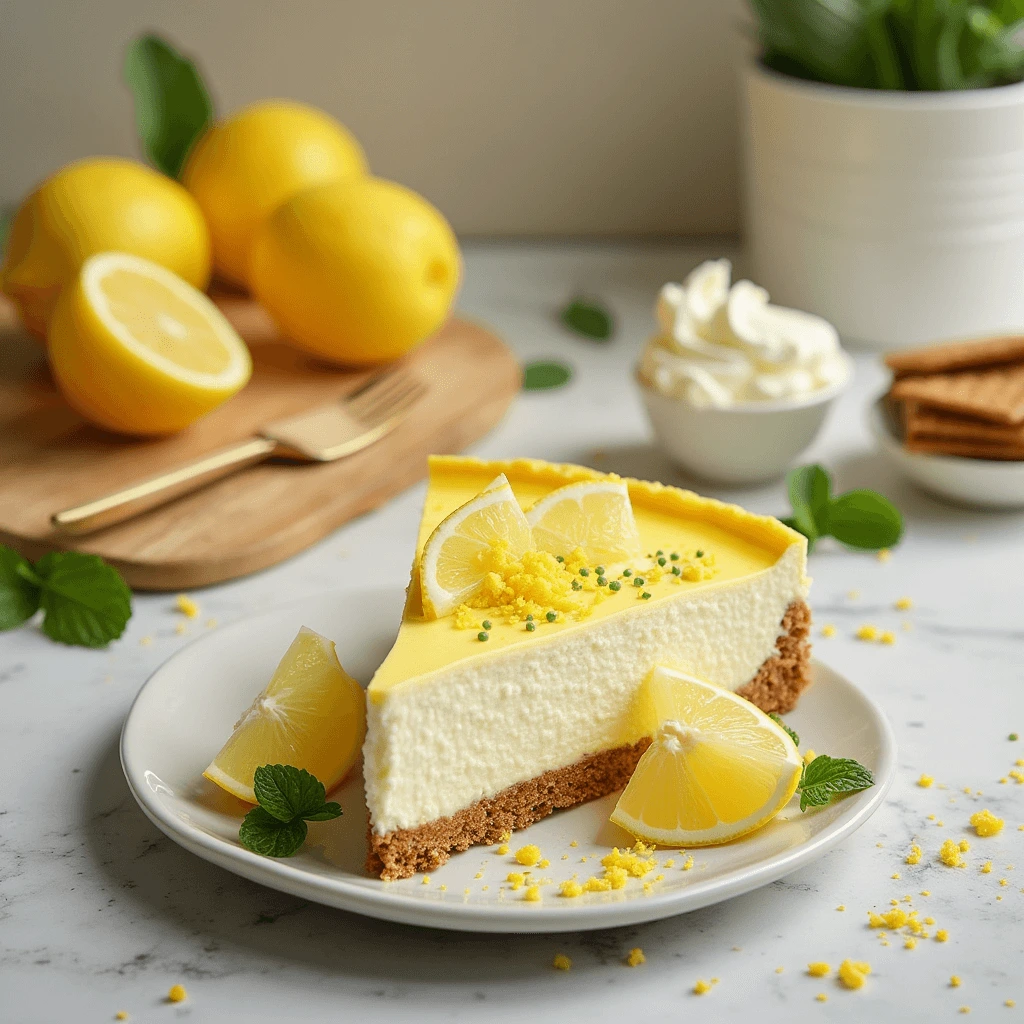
{"x": 403, "y": 852}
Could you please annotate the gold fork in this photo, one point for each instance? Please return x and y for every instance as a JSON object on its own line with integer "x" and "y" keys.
{"x": 323, "y": 434}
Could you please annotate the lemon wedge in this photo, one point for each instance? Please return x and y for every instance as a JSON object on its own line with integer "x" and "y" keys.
{"x": 457, "y": 556}
{"x": 717, "y": 769}
{"x": 595, "y": 515}
{"x": 136, "y": 349}
{"x": 312, "y": 715}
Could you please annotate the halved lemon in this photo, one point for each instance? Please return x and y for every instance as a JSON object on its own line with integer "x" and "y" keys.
{"x": 312, "y": 715}
{"x": 717, "y": 769}
{"x": 458, "y": 554}
{"x": 595, "y": 515}
{"x": 136, "y": 349}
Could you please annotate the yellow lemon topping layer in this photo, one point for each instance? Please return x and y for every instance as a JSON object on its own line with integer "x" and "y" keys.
{"x": 716, "y": 544}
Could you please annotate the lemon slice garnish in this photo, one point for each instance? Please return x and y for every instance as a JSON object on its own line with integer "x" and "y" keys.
{"x": 595, "y": 515}
{"x": 458, "y": 554}
{"x": 137, "y": 349}
{"x": 312, "y": 715}
{"x": 717, "y": 769}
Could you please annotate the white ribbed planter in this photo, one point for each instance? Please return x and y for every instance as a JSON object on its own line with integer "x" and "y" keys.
{"x": 897, "y": 216}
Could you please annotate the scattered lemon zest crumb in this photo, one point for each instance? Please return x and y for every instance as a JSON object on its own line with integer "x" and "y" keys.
{"x": 532, "y": 895}
{"x": 888, "y": 638}
{"x": 954, "y": 981}
{"x": 503, "y": 849}
{"x": 701, "y": 987}
{"x": 964, "y": 846}
{"x": 809, "y": 756}
{"x": 904, "y": 604}
{"x": 926, "y": 892}
{"x": 426, "y": 880}
{"x": 818, "y": 969}
{"x": 561, "y": 962}
{"x": 895, "y": 875}
{"x": 821, "y": 997}
{"x": 211, "y": 623}
{"x": 528, "y": 855}
{"x": 670, "y": 863}
{"x": 942, "y": 935}
{"x": 186, "y": 606}
{"x": 964, "y": 1009}
{"x": 145, "y": 641}
{"x": 637, "y": 861}
{"x": 121, "y": 1015}
{"x": 867, "y": 632}
{"x": 828, "y": 630}
{"x": 883, "y": 554}
{"x": 842, "y": 906}
{"x": 915, "y": 855}
{"x": 177, "y": 994}
{"x": 949, "y": 854}
{"x": 443, "y": 887}
{"x": 853, "y": 594}
{"x": 688, "y": 863}
{"x": 479, "y": 874}
{"x": 925, "y": 781}
{"x": 853, "y": 972}
{"x": 574, "y": 843}
{"x": 181, "y": 629}
{"x": 1004, "y": 881}
{"x": 1010, "y": 1003}
{"x": 986, "y": 823}
{"x": 570, "y": 889}
{"x": 636, "y": 957}
{"x": 779, "y": 970}
{"x": 516, "y": 878}
{"x": 910, "y": 943}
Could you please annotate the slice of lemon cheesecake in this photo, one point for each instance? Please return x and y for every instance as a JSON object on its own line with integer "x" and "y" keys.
{"x": 542, "y": 597}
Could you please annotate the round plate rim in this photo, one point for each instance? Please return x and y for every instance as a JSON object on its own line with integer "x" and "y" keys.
{"x": 546, "y": 917}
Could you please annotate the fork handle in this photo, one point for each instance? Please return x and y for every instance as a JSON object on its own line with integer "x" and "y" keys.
{"x": 158, "y": 490}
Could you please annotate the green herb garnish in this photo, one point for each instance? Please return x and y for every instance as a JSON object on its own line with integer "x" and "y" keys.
{"x": 785, "y": 728}
{"x": 589, "y": 318}
{"x": 172, "y": 106}
{"x": 288, "y": 797}
{"x": 545, "y": 376}
{"x": 1012, "y": 737}
{"x": 859, "y": 519}
{"x": 826, "y": 777}
{"x": 84, "y": 601}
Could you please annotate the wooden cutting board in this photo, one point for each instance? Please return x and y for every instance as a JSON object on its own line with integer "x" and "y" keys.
{"x": 50, "y": 459}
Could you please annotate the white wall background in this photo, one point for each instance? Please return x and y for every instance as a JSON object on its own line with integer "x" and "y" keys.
{"x": 514, "y": 116}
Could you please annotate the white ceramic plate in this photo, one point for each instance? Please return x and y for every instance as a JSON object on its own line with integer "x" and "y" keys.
{"x": 977, "y": 483}
{"x": 187, "y": 709}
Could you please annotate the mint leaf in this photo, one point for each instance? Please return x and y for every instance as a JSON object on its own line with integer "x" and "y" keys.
{"x": 326, "y": 813}
{"x": 809, "y": 489}
{"x": 588, "y": 318}
{"x": 864, "y": 519}
{"x": 544, "y": 376}
{"x": 262, "y": 833}
{"x": 785, "y": 728}
{"x": 826, "y": 777}
{"x": 19, "y": 589}
{"x": 84, "y": 600}
{"x": 172, "y": 106}
{"x": 286, "y": 792}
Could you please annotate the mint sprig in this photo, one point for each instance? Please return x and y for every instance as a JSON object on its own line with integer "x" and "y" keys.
{"x": 859, "y": 519}
{"x": 288, "y": 798}
{"x": 826, "y": 777}
{"x": 589, "y": 318}
{"x": 172, "y": 105}
{"x": 85, "y": 602}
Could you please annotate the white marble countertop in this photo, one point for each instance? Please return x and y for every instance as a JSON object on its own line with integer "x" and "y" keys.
{"x": 100, "y": 913}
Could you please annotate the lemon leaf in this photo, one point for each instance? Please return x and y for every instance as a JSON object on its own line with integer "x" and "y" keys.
{"x": 84, "y": 600}
{"x": 287, "y": 792}
{"x": 268, "y": 836}
{"x": 172, "y": 105}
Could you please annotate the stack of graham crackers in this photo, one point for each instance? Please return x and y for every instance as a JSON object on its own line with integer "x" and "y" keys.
{"x": 962, "y": 398}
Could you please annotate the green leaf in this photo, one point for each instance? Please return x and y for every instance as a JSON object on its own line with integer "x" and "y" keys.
{"x": 544, "y": 376}
{"x": 172, "y": 105}
{"x": 326, "y": 813}
{"x": 809, "y": 488}
{"x": 264, "y": 834}
{"x": 84, "y": 600}
{"x": 864, "y": 519}
{"x": 19, "y": 589}
{"x": 588, "y": 318}
{"x": 789, "y": 732}
{"x": 826, "y": 777}
{"x": 287, "y": 792}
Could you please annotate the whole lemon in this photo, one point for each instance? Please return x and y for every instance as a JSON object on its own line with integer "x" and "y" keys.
{"x": 356, "y": 271}
{"x": 244, "y": 167}
{"x": 92, "y": 206}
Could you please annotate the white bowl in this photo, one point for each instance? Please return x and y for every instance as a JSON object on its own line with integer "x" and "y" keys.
{"x": 978, "y": 483}
{"x": 743, "y": 444}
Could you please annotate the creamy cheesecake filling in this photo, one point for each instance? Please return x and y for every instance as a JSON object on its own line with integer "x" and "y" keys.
{"x": 441, "y": 741}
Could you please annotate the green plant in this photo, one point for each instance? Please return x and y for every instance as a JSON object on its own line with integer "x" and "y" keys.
{"x": 894, "y": 44}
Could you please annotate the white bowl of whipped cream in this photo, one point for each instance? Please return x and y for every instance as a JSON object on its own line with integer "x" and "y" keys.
{"x": 735, "y": 387}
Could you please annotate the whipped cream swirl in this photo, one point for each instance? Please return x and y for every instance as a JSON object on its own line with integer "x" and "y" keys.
{"x": 720, "y": 345}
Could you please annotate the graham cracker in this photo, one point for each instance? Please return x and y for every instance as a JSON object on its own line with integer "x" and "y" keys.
{"x": 965, "y": 449}
{"x": 402, "y": 852}
{"x": 957, "y": 355}
{"x": 924, "y": 422}
{"x": 995, "y": 395}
